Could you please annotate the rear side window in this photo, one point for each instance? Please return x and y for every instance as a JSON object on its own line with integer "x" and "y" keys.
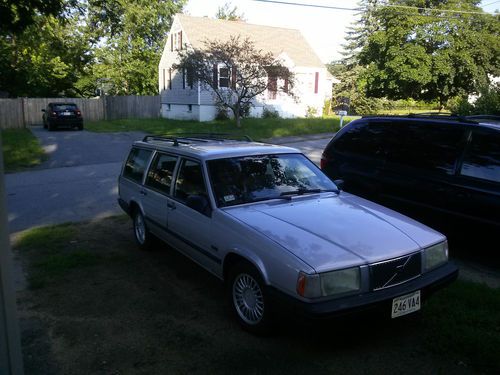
{"x": 433, "y": 147}
{"x": 482, "y": 157}
{"x": 161, "y": 172}
{"x": 363, "y": 139}
{"x": 190, "y": 180}
{"x": 136, "y": 164}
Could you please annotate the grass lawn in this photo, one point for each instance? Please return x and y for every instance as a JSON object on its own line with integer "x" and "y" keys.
{"x": 257, "y": 129}
{"x": 96, "y": 304}
{"x": 21, "y": 150}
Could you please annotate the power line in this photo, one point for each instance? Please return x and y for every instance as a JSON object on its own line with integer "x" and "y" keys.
{"x": 452, "y": 11}
{"x": 494, "y": 2}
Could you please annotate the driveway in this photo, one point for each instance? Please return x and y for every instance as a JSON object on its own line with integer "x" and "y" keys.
{"x": 79, "y": 180}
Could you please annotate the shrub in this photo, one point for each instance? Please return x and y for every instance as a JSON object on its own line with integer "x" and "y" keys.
{"x": 311, "y": 112}
{"x": 270, "y": 112}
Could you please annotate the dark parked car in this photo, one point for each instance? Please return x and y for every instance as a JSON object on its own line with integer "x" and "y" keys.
{"x": 438, "y": 169}
{"x": 62, "y": 115}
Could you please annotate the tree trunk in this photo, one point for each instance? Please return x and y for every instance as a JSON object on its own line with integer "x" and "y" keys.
{"x": 237, "y": 117}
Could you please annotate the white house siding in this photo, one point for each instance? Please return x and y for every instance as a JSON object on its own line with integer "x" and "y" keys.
{"x": 180, "y": 112}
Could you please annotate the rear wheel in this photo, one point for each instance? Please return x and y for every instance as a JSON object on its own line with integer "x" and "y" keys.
{"x": 141, "y": 233}
{"x": 248, "y": 299}
{"x": 51, "y": 127}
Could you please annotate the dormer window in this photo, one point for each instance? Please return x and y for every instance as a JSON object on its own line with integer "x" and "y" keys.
{"x": 223, "y": 77}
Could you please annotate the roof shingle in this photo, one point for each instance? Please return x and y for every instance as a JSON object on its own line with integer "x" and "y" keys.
{"x": 267, "y": 38}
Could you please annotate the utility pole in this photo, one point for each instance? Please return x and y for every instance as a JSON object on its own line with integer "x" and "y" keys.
{"x": 11, "y": 360}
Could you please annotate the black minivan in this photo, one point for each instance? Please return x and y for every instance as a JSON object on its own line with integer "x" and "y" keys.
{"x": 433, "y": 168}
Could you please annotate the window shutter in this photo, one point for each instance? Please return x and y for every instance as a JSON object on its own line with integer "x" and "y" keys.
{"x": 170, "y": 79}
{"x": 183, "y": 78}
{"x": 216, "y": 76}
{"x": 171, "y": 42}
{"x": 163, "y": 79}
{"x": 316, "y": 80}
{"x": 286, "y": 85}
{"x": 233, "y": 78}
{"x": 180, "y": 39}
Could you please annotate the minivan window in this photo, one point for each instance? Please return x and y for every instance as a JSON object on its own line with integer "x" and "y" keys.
{"x": 362, "y": 139}
{"x": 161, "y": 172}
{"x": 136, "y": 164}
{"x": 482, "y": 158}
{"x": 433, "y": 147}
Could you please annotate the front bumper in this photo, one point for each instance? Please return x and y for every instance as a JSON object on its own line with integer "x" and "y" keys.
{"x": 375, "y": 300}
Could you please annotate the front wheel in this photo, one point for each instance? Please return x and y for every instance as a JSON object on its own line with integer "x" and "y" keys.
{"x": 248, "y": 299}
{"x": 141, "y": 233}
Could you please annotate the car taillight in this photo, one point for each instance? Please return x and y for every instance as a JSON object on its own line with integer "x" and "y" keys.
{"x": 78, "y": 113}
{"x": 54, "y": 114}
{"x": 323, "y": 162}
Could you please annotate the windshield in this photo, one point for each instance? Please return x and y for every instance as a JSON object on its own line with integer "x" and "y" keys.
{"x": 256, "y": 178}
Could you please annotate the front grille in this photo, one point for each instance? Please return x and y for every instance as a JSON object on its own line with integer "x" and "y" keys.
{"x": 395, "y": 271}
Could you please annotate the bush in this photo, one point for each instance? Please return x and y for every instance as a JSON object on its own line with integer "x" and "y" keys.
{"x": 270, "y": 112}
{"x": 327, "y": 107}
{"x": 221, "y": 113}
{"x": 487, "y": 103}
{"x": 311, "y": 112}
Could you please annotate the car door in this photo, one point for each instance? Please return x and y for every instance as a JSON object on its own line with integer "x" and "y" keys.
{"x": 189, "y": 228}
{"x": 477, "y": 192}
{"x": 156, "y": 190}
{"x": 421, "y": 162}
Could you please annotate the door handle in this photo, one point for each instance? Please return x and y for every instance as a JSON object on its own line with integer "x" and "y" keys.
{"x": 143, "y": 192}
{"x": 171, "y": 205}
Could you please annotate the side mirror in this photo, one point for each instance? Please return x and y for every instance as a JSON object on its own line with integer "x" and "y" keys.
{"x": 199, "y": 203}
{"x": 339, "y": 183}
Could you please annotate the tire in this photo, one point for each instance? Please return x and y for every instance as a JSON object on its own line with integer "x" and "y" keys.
{"x": 51, "y": 127}
{"x": 80, "y": 127}
{"x": 141, "y": 233}
{"x": 248, "y": 300}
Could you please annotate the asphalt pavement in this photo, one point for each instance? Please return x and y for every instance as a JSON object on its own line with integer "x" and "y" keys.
{"x": 79, "y": 180}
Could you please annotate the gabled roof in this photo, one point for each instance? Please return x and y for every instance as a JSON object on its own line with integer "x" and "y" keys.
{"x": 267, "y": 38}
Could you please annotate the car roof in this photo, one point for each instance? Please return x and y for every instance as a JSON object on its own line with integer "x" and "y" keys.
{"x": 62, "y": 103}
{"x": 487, "y": 121}
{"x": 211, "y": 148}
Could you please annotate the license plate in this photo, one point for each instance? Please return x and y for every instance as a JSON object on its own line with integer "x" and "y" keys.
{"x": 66, "y": 113}
{"x": 405, "y": 304}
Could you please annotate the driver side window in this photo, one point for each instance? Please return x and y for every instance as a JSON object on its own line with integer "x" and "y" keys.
{"x": 189, "y": 181}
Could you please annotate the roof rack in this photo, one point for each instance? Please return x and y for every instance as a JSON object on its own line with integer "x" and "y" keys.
{"x": 185, "y": 138}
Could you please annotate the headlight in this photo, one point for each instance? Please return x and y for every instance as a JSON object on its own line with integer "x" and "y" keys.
{"x": 338, "y": 282}
{"x": 329, "y": 283}
{"x": 435, "y": 255}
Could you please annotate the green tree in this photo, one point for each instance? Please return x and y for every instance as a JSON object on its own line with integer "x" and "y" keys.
{"x": 45, "y": 59}
{"x": 227, "y": 12}
{"x": 430, "y": 54}
{"x": 17, "y": 15}
{"x": 129, "y": 36}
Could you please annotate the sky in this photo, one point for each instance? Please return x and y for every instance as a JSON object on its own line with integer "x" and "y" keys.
{"x": 324, "y": 29}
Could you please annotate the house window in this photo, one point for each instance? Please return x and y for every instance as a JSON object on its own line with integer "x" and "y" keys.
{"x": 170, "y": 79}
{"x": 183, "y": 78}
{"x": 190, "y": 77}
{"x": 190, "y": 108}
{"x": 223, "y": 77}
{"x": 272, "y": 87}
{"x": 163, "y": 79}
{"x": 169, "y": 107}
{"x": 177, "y": 41}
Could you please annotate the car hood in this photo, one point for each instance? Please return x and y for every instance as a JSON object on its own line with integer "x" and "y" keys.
{"x": 329, "y": 231}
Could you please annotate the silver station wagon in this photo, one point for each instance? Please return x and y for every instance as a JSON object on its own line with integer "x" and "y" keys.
{"x": 279, "y": 232}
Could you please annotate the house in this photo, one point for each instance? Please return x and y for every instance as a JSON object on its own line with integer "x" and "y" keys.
{"x": 181, "y": 98}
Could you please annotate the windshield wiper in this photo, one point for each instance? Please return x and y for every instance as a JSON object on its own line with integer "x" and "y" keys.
{"x": 269, "y": 198}
{"x": 308, "y": 191}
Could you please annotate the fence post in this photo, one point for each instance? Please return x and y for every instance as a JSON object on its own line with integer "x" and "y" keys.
{"x": 23, "y": 112}
{"x": 104, "y": 107}
{"x": 11, "y": 361}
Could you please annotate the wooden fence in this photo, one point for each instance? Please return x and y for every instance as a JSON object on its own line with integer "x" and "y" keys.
{"x": 23, "y": 112}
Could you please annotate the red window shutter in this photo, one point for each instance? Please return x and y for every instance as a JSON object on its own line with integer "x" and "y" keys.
{"x": 180, "y": 39}
{"x": 233, "y": 78}
{"x": 286, "y": 85}
{"x": 171, "y": 42}
{"x": 316, "y": 81}
{"x": 216, "y": 76}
